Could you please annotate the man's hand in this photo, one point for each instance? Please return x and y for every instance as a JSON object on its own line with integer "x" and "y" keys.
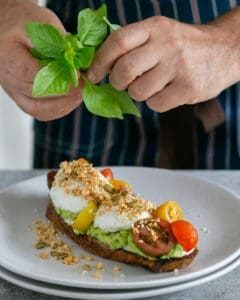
{"x": 18, "y": 67}
{"x": 168, "y": 63}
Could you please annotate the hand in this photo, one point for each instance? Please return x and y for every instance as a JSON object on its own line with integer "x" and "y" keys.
{"x": 168, "y": 63}
{"x": 18, "y": 67}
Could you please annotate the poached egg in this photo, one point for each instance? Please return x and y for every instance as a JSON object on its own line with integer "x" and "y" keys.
{"x": 110, "y": 220}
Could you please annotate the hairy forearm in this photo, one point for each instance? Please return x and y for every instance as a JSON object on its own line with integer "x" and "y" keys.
{"x": 227, "y": 27}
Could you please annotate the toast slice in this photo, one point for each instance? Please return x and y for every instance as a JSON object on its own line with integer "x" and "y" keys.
{"x": 98, "y": 248}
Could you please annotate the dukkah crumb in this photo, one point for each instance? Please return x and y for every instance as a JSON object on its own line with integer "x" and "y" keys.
{"x": 87, "y": 267}
{"x": 46, "y": 236}
{"x": 43, "y": 255}
{"x": 97, "y": 274}
{"x": 79, "y": 178}
{"x": 116, "y": 269}
{"x": 99, "y": 266}
{"x": 89, "y": 258}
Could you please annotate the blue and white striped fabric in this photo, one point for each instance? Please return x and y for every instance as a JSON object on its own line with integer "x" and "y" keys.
{"x": 135, "y": 141}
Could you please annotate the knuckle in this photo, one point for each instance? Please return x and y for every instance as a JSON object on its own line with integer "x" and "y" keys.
{"x": 159, "y": 20}
{"x": 175, "y": 43}
{"x": 126, "y": 68}
{"x": 120, "y": 39}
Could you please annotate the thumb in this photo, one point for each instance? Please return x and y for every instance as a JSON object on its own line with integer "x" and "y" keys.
{"x": 49, "y": 18}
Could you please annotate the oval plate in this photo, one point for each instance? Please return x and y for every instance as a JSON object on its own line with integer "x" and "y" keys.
{"x": 205, "y": 205}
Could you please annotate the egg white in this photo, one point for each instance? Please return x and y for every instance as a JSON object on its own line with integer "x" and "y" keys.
{"x": 110, "y": 221}
{"x": 66, "y": 201}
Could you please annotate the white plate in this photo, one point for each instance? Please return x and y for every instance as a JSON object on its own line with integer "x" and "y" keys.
{"x": 78, "y": 293}
{"x": 205, "y": 205}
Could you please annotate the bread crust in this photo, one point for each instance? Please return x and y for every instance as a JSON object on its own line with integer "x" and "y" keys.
{"x": 98, "y": 248}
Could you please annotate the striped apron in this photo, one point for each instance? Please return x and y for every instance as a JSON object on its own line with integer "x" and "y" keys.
{"x": 135, "y": 141}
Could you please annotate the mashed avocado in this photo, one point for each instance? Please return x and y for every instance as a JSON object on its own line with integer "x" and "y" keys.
{"x": 67, "y": 216}
{"x": 117, "y": 240}
{"x": 123, "y": 240}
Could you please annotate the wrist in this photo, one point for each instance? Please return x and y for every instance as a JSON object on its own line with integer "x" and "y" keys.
{"x": 225, "y": 30}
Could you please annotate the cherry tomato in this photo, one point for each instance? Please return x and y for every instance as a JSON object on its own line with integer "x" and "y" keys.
{"x": 185, "y": 233}
{"x": 107, "y": 173}
{"x": 85, "y": 217}
{"x": 169, "y": 211}
{"x": 153, "y": 236}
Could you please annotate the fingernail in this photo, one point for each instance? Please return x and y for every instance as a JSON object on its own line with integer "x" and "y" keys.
{"x": 91, "y": 76}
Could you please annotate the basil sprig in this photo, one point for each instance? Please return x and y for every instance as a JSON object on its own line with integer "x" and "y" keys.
{"x": 62, "y": 56}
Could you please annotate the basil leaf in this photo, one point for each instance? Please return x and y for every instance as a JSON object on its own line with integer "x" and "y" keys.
{"x": 72, "y": 41}
{"x": 43, "y": 60}
{"x": 100, "y": 102}
{"x": 73, "y": 76}
{"x": 84, "y": 57}
{"x": 125, "y": 103}
{"x": 92, "y": 29}
{"x": 36, "y": 54}
{"x": 54, "y": 79}
{"x": 46, "y": 39}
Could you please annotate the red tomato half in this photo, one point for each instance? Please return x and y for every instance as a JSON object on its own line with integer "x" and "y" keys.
{"x": 185, "y": 233}
{"x": 107, "y": 173}
{"x": 153, "y": 236}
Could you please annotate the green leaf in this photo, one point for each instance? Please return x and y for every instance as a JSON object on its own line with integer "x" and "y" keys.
{"x": 36, "y": 54}
{"x": 92, "y": 29}
{"x": 54, "y": 79}
{"x": 73, "y": 76}
{"x": 72, "y": 41}
{"x": 43, "y": 60}
{"x": 46, "y": 39}
{"x": 84, "y": 57}
{"x": 100, "y": 102}
{"x": 124, "y": 101}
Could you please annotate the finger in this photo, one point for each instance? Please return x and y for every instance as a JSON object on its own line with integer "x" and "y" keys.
{"x": 117, "y": 44}
{"x": 46, "y": 109}
{"x": 25, "y": 89}
{"x": 18, "y": 86}
{"x": 172, "y": 96}
{"x": 21, "y": 65}
{"x": 133, "y": 64}
{"x": 151, "y": 82}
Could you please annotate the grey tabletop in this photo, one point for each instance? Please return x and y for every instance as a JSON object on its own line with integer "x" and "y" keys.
{"x": 226, "y": 287}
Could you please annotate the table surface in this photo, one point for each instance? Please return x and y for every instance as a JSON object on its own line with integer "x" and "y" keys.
{"x": 226, "y": 287}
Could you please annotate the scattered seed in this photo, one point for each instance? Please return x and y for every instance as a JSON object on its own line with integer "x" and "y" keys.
{"x": 40, "y": 245}
{"x": 109, "y": 188}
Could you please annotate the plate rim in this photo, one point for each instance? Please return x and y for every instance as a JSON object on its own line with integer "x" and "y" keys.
{"x": 29, "y": 283}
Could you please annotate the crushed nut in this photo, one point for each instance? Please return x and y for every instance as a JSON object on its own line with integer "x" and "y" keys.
{"x": 43, "y": 255}
{"x": 116, "y": 269}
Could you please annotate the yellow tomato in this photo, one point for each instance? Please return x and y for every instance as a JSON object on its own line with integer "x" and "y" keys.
{"x": 169, "y": 211}
{"x": 85, "y": 217}
{"x": 120, "y": 184}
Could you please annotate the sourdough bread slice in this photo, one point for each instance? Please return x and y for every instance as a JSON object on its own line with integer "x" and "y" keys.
{"x": 98, "y": 248}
